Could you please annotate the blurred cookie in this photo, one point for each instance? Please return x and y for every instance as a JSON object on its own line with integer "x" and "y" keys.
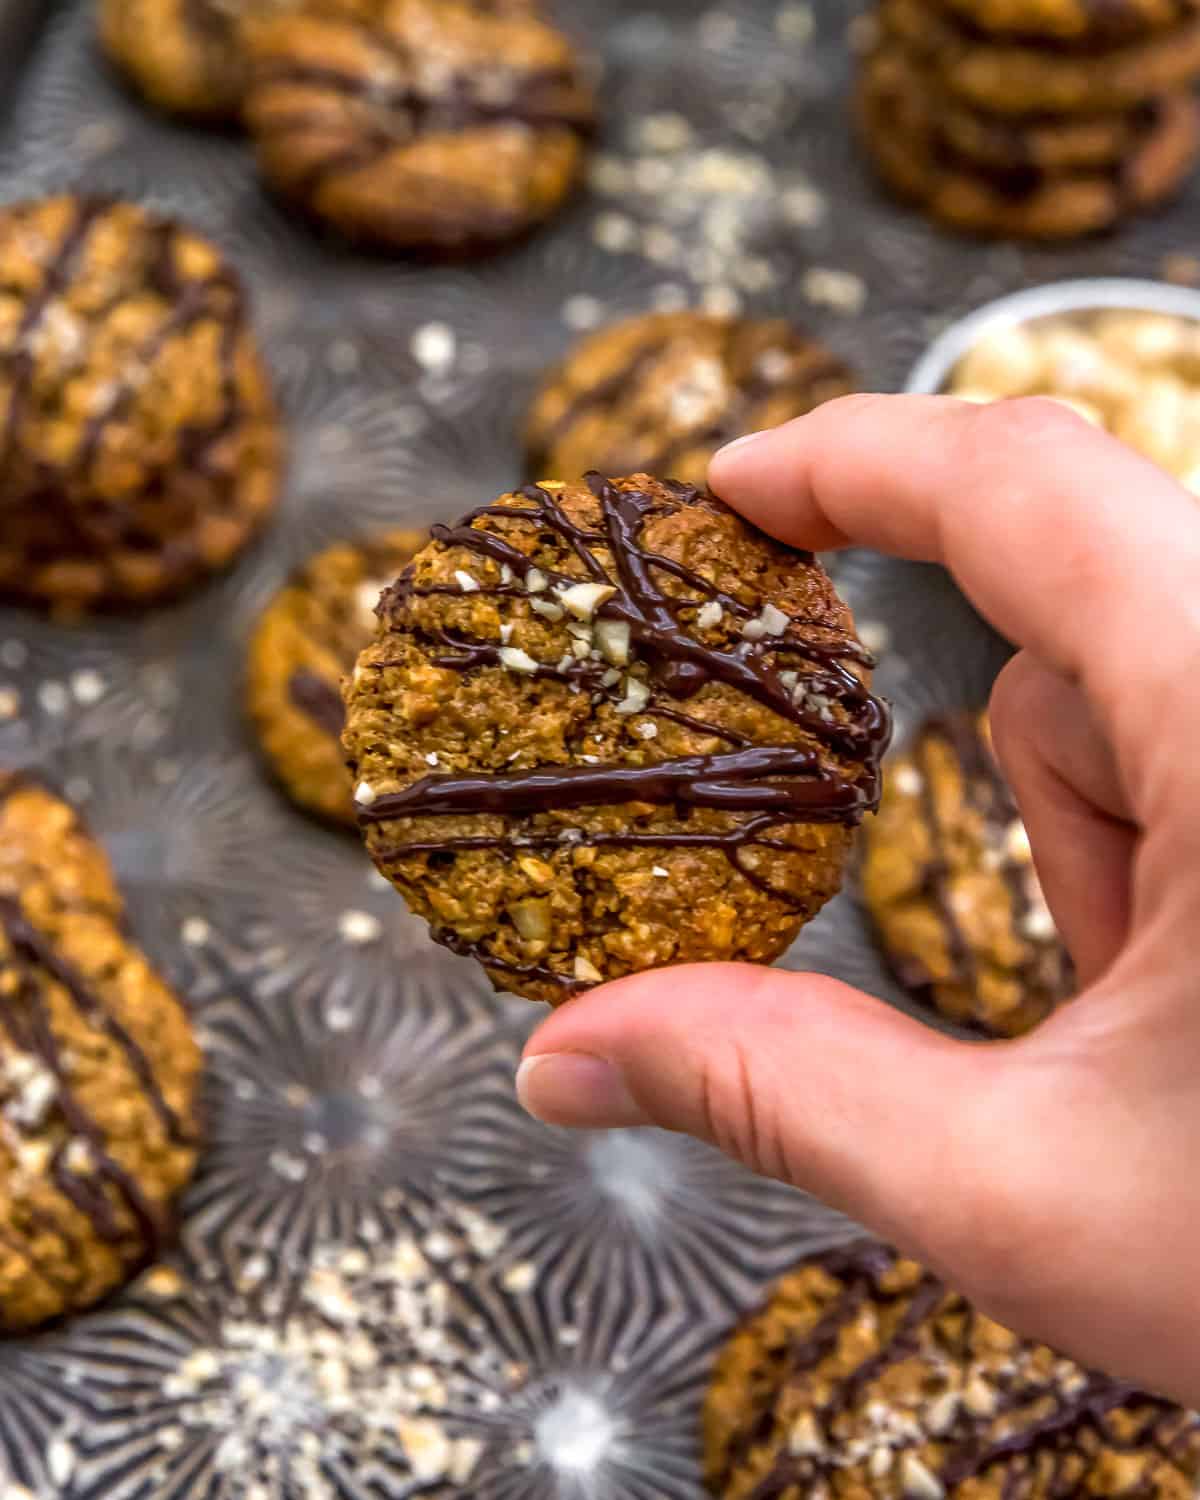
{"x": 1079, "y": 22}
{"x": 306, "y": 641}
{"x": 140, "y": 444}
{"x": 1028, "y": 78}
{"x": 98, "y": 1073}
{"x": 607, "y": 726}
{"x": 434, "y": 126}
{"x": 948, "y": 878}
{"x": 1041, "y": 143}
{"x": 865, "y": 1377}
{"x": 903, "y": 135}
{"x": 185, "y": 56}
{"x": 661, "y": 393}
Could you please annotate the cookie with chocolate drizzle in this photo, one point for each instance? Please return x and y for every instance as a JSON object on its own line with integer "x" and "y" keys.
{"x": 436, "y": 125}
{"x": 662, "y": 392}
{"x": 607, "y": 726}
{"x": 948, "y": 878}
{"x": 864, "y": 1376}
{"x": 139, "y": 439}
{"x": 98, "y": 1072}
{"x": 305, "y": 642}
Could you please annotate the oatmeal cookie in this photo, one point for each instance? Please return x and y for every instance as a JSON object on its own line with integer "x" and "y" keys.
{"x": 140, "y": 443}
{"x": 435, "y": 126}
{"x": 607, "y": 726}
{"x": 948, "y": 878}
{"x": 306, "y": 640}
{"x": 913, "y": 155}
{"x": 1027, "y": 78}
{"x": 865, "y": 1378}
{"x": 661, "y": 393}
{"x": 98, "y": 1072}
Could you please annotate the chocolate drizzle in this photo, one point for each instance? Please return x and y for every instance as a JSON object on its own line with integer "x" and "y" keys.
{"x": 1045, "y": 969}
{"x": 319, "y": 699}
{"x": 26, "y": 1019}
{"x": 766, "y": 788}
{"x": 1071, "y": 1418}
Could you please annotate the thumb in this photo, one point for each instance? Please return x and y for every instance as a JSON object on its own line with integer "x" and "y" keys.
{"x": 799, "y": 1077}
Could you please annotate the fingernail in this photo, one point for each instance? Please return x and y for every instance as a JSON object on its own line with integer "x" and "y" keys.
{"x": 571, "y": 1088}
{"x": 742, "y": 442}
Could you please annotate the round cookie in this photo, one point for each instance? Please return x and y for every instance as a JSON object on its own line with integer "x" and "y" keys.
{"x": 98, "y": 1073}
{"x": 865, "y": 1378}
{"x": 607, "y": 726}
{"x": 662, "y": 392}
{"x": 1077, "y": 22}
{"x": 1015, "y": 79}
{"x": 305, "y": 642}
{"x": 138, "y": 435}
{"x": 435, "y": 126}
{"x": 948, "y": 878}
{"x": 902, "y": 134}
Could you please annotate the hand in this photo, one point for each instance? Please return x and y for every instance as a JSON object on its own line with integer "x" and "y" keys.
{"x": 1055, "y": 1179}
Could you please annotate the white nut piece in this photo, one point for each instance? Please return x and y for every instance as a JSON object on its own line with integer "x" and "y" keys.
{"x": 637, "y": 695}
{"x": 546, "y": 608}
{"x": 465, "y": 581}
{"x": 536, "y": 581}
{"x": 586, "y": 972}
{"x": 584, "y": 599}
{"x": 1007, "y": 361}
{"x": 709, "y": 615}
{"x": 516, "y": 660}
{"x": 612, "y": 639}
{"x": 531, "y": 918}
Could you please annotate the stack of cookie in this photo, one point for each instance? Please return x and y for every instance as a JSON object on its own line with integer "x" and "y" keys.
{"x": 1040, "y": 119}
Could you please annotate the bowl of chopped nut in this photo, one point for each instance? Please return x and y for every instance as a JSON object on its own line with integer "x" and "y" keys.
{"x": 1125, "y": 354}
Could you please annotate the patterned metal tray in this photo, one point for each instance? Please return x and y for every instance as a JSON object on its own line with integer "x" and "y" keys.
{"x": 377, "y": 1229}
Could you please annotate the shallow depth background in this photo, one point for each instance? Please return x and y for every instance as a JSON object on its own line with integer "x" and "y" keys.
{"x": 360, "y": 1081}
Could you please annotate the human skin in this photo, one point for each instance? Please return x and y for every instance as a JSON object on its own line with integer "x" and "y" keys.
{"x": 1052, "y": 1179}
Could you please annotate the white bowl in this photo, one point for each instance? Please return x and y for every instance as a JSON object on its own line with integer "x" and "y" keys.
{"x": 933, "y": 370}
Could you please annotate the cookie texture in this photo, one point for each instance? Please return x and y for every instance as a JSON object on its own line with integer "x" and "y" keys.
{"x": 948, "y": 879}
{"x": 306, "y": 640}
{"x": 917, "y": 156}
{"x": 865, "y": 1378}
{"x": 141, "y": 447}
{"x": 98, "y": 1073}
{"x": 661, "y": 393}
{"x": 1078, "y": 22}
{"x": 1030, "y": 78}
{"x": 187, "y": 57}
{"x": 435, "y": 125}
{"x": 607, "y": 726}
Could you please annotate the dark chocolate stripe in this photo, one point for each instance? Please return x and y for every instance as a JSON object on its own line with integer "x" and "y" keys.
{"x": 29, "y": 944}
{"x": 56, "y": 276}
{"x": 319, "y": 699}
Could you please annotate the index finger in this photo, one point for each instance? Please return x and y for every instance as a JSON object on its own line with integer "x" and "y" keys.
{"x": 1067, "y": 541}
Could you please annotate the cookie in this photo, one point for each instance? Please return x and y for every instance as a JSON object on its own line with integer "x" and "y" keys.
{"x": 661, "y": 393}
{"x": 948, "y": 879}
{"x": 185, "y": 56}
{"x": 1041, "y": 143}
{"x": 1080, "y": 23}
{"x": 436, "y": 126}
{"x": 1016, "y": 79}
{"x": 865, "y": 1378}
{"x": 98, "y": 1073}
{"x": 607, "y": 726}
{"x": 139, "y": 439}
{"x": 305, "y": 642}
{"x": 901, "y": 130}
